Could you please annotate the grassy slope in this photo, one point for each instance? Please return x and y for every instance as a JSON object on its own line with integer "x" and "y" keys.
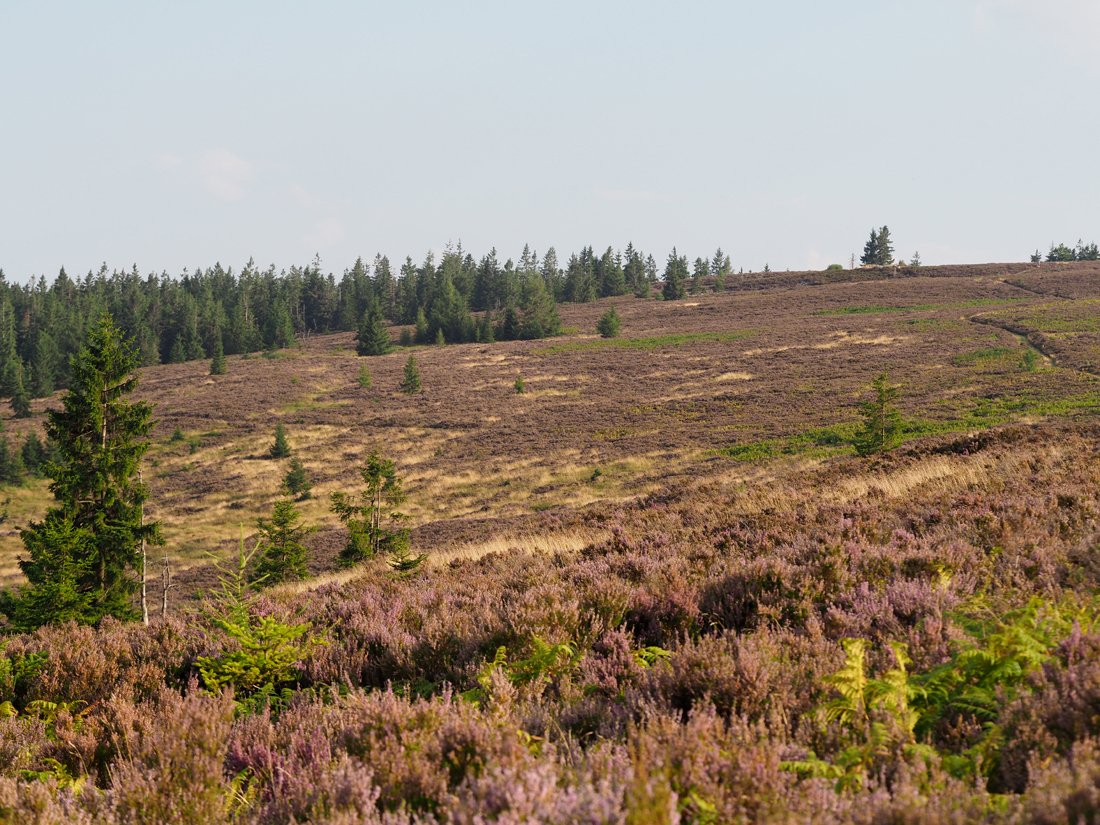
{"x": 699, "y": 387}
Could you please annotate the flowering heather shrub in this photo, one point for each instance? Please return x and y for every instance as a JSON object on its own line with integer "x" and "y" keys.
{"x": 672, "y": 673}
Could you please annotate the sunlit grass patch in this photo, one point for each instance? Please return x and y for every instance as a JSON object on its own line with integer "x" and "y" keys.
{"x": 646, "y": 343}
{"x": 878, "y": 309}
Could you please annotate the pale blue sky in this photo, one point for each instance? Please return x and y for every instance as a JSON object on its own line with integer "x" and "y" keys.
{"x": 180, "y": 134}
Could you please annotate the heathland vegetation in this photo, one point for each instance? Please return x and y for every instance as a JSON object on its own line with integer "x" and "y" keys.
{"x": 795, "y": 547}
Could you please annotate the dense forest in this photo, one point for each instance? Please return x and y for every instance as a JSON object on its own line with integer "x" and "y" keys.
{"x": 204, "y": 311}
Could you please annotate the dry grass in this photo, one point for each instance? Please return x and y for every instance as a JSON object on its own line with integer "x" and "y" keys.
{"x": 570, "y": 541}
{"x": 750, "y": 365}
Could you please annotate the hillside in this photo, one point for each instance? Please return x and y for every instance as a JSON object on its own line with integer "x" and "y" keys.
{"x": 644, "y": 573}
{"x": 776, "y": 369}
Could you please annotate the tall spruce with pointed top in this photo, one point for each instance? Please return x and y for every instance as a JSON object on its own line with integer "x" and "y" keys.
{"x": 85, "y": 552}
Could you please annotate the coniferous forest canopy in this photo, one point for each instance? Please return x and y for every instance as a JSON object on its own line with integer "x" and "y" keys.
{"x": 176, "y": 319}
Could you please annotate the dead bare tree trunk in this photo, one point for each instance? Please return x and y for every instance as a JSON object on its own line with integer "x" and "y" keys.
{"x": 144, "y": 592}
{"x": 166, "y": 585}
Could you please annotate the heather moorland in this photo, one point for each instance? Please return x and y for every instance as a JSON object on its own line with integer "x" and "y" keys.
{"x": 660, "y": 582}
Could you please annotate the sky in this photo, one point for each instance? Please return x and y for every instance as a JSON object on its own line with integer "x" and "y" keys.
{"x": 171, "y": 135}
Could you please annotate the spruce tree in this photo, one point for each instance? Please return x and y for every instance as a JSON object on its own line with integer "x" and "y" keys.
{"x": 84, "y": 552}
{"x": 870, "y": 250}
{"x": 296, "y": 481}
{"x": 21, "y": 402}
{"x": 373, "y": 338}
{"x": 60, "y": 565}
{"x": 882, "y": 425}
{"x": 217, "y": 363}
{"x": 884, "y": 250}
{"x": 281, "y": 555}
{"x": 280, "y": 448}
{"x": 11, "y": 463}
{"x": 608, "y": 325}
{"x": 411, "y": 381}
{"x": 676, "y": 271}
{"x": 34, "y": 454}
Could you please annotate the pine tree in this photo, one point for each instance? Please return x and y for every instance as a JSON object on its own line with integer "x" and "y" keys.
{"x": 608, "y": 325}
{"x": 411, "y": 381}
{"x": 365, "y": 378}
{"x": 83, "y": 553}
{"x": 520, "y": 387}
{"x": 373, "y": 337}
{"x": 281, "y": 555}
{"x": 882, "y": 425}
{"x": 280, "y": 448}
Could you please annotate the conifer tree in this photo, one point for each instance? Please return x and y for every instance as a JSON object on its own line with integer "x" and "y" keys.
{"x": 84, "y": 552}
{"x": 57, "y": 572}
{"x": 870, "y": 250}
{"x": 676, "y": 271}
{"x": 280, "y": 448}
{"x": 882, "y": 425}
{"x": 411, "y": 381}
{"x": 217, "y": 363}
{"x": 21, "y": 402}
{"x": 373, "y": 337}
{"x": 34, "y": 454}
{"x": 540, "y": 313}
{"x": 885, "y": 250}
{"x": 11, "y": 463}
{"x": 281, "y": 555}
{"x": 296, "y": 481}
{"x": 608, "y": 325}
{"x": 365, "y": 515}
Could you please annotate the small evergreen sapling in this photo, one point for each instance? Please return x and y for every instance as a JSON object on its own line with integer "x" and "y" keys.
{"x": 281, "y": 447}
{"x": 296, "y": 481}
{"x": 608, "y": 325}
{"x": 882, "y": 425}
{"x": 365, "y": 378}
{"x": 411, "y": 382}
{"x": 521, "y": 388}
{"x": 281, "y": 553}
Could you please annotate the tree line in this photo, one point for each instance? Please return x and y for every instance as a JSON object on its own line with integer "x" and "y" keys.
{"x": 216, "y": 311}
{"x": 1062, "y": 252}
